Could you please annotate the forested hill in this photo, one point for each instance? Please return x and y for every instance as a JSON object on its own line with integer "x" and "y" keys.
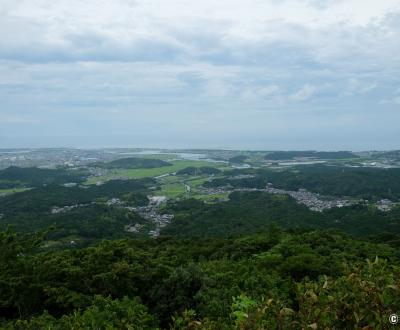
{"x": 36, "y": 177}
{"x": 275, "y": 280}
{"x": 252, "y": 212}
{"x": 328, "y": 180}
{"x": 133, "y": 163}
{"x": 288, "y": 155}
{"x": 79, "y": 213}
{"x": 395, "y": 154}
{"x": 44, "y": 198}
{"x": 191, "y": 170}
{"x": 245, "y": 213}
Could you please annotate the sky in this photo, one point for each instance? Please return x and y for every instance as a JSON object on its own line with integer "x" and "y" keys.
{"x": 249, "y": 74}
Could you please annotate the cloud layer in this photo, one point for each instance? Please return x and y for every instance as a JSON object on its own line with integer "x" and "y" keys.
{"x": 261, "y": 74}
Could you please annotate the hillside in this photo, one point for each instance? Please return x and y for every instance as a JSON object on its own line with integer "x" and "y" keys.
{"x": 206, "y": 246}
{"x": 35, "y": 177}
{"x": 133, "y": 163}
{"x": 252, "y": 212}
{"x": 266, "y": 281}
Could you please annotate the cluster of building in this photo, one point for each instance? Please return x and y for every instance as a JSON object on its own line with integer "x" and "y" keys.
{"x": 385, "y": 205}
{"x": 214, "y": 191}
{"x": 64, "y": 209}
{"x": 51, "y": 158}
{"x": 151, "y": 212}
{"x": 311, "y": 200}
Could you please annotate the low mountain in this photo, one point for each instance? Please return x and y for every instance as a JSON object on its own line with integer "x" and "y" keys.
{"x": 133, "y": 163}
{"x": 191, "y": 170}
{"x": 35, "y": 177}
{"x": 290, "y": 155}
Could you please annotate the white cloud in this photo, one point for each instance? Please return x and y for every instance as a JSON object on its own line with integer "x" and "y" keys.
{"x": 357, "y": 86}
{"x": 142, "y": 59}
{"x": 268, "y": 92}
{"x": 76, "y": 29}
{"x": 304, "y": 93}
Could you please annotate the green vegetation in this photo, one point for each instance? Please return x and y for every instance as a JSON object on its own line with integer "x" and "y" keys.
{"x": 258, "y": 182}
{"x": 133, "y": 163}
{"x": 148, "y": 172}
{"x": 103, "y": 313}
{"x": 238, "y": 159}
{"x": 83, "y": 225}
{"x": 88, "y": 218}
{"x": 251, "y": 212}
{"x": 272, "y": 280}
{"x": 253, "y": 261}
{"x": 367, "y": 183}
{"x": 176, "y": 188}
{"x": 43, "y": 199}
{"x": 172, "y": 190}
{"x": 12, "y": 191}
{"x": 212, "y": 198}
{"x": 286, "y": 155}
{"x": 244, "y": 213}
{"x": 17, "y": 177}
{"x": 191, "y": 170}
{"x": 183, "y": 185}
{"x": 196, "y": 182}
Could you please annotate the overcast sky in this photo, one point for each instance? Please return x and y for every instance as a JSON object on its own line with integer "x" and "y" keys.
{"x": 257, "y": 74}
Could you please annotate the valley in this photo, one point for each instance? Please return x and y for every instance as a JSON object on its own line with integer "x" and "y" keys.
{"x": 196, "y": 237}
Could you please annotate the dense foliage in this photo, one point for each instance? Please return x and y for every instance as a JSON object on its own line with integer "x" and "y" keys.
{"x": 191, "y": 170}
{"x": 82, "y": 226}
{"x": 244, "y": 213}
{"x": 275, "y": 280}
{"x": 35, "y": 177}
{"x": 44, "y": 198}
{"x": 250, "y": 212}
{"x": 256, "y": 261}
{"x": 368, "y": 183}
{"x": 87, "y": 219}
{"x": 133, "y": 162}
